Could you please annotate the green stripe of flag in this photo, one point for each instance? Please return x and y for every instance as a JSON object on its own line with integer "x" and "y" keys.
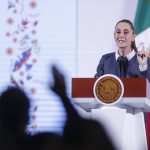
{"x": 142, "y": 18}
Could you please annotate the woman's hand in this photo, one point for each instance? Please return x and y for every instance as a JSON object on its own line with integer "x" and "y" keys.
{"x": 142, "y": 58}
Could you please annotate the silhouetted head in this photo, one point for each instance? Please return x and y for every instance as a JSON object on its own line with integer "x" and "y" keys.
{"x": 14, "y": 109}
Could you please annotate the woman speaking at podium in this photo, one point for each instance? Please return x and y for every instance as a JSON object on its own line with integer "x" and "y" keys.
{"x": 126, "y": 61}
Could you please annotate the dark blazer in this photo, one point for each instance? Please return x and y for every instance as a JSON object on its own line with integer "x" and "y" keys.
{"x": 109, "y": 65}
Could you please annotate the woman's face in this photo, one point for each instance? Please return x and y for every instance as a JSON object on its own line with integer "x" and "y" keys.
{"x": 124, "y": 35}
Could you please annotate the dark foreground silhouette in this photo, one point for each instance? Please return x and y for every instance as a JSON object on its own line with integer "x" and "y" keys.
{"x": 79, "y": 133}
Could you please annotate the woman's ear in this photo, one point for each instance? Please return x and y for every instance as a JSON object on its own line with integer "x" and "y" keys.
{"x": 114, "y": 35}
{"x": 133, "y": 37}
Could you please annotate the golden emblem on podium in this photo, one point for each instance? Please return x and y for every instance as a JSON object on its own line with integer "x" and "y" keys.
{"x": 108, "y": 89}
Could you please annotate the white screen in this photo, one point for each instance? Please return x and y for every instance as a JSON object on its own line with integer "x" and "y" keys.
{"x": 33, "y": 35}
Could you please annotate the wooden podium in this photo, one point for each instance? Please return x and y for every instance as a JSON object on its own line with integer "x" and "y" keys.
{"x": 124, "y": 121}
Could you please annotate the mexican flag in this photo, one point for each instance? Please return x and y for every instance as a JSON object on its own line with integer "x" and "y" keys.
{"x": 142, "y": 24}
{"x": 142, "y": 31}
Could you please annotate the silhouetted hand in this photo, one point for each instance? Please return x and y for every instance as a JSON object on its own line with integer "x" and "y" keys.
{"x": 59, "y": 86}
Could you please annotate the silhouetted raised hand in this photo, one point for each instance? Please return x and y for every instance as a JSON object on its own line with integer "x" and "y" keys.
{"x": 79, "y": 133}
{"x": 59, "y": 86}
